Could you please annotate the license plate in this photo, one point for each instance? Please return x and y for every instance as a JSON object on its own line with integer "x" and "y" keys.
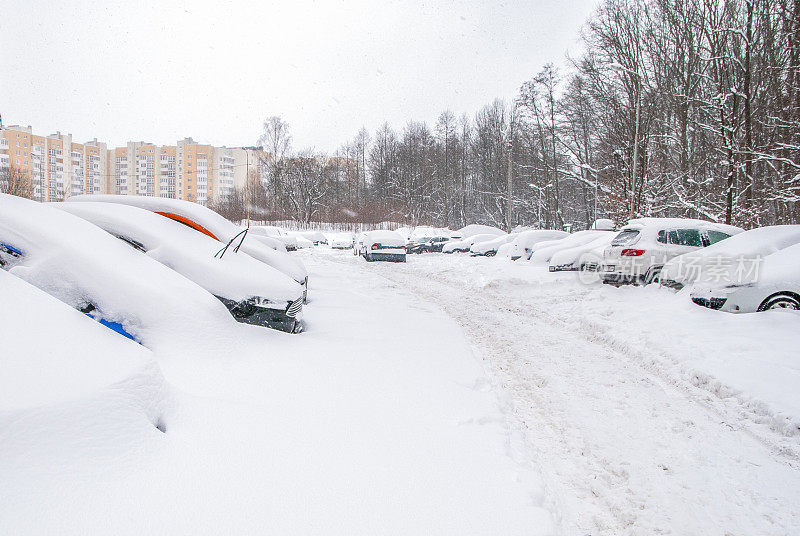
{"x": 609, "y": 268}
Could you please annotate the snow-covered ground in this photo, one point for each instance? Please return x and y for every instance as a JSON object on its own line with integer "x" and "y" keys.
{"x": 645, "y": 413}
{"x": 447, "y": 395}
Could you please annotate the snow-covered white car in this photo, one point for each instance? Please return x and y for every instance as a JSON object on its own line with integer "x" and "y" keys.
{"x": 462, "y": 246}
{"x": 253, "y": 292}
{"x": 488, "y": 248}
{"x": 90, "y": 270}
{"x": 316, "y": 237}
{"x": 524, "y": 244}
{"x": 732, "y": 259}
{"x": 774, "y": 285}
{"x": 341, "y": 241}
{"x": 208, "y": 222}
{"x": 586, "y": 256}
{"x": 542, "y": 255}
{"x": 289, "y": 242}
{"x": 383, "y": 246}
{"x": 640, "y": 250}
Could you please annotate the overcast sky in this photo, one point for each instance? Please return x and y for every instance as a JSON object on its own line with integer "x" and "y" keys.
{"x": 160, "y": 71}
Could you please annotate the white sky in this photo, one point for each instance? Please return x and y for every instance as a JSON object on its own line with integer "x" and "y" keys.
{"x": 160, "y": 71}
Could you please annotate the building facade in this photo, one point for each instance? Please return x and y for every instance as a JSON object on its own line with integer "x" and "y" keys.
{"x": 57, "y": 168}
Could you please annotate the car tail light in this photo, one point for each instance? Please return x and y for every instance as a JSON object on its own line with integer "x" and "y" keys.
{"x": 374, "y": 247}
{"x": 632, "y": 252}
{"x": 403, "y": 247}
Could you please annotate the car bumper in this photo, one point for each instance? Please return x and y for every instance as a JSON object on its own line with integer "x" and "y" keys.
{"x": 391, "y": 257}
{"x": 287, "y": 319}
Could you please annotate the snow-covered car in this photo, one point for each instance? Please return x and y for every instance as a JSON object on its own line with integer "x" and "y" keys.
{"x": 426, "y": 244}
{"x": 526, "y": 241}
{"x": 208, "y": 222}
{"x": 342, "y": 241}
{"x": 475, "y": 229}
{"x": 587, "y": 256}
{"x": 253, "y": 292}
{"x": 383, "y": 246}
{"x": 53, "y": 356}
{"x": 289, "y": 242}
{"x": 462, "y": 246}
{"x": 640, "y": 250}
{"x": 90, "y": 270}
{"x": 730, "y": 260}
{"x": 542, "y": 255}
{"x": 316, "y": 237}
{"x": 775, "y": 284}
{"x": 488, "y": 248}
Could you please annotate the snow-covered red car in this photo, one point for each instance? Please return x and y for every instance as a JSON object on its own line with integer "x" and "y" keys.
{"x": 208, "y": 222}
{"x": 383, "y": 246}
{"x": 253, "y": 292}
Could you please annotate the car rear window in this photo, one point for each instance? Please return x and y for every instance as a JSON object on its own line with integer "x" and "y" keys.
{"x": 625, "y": 237}
{"x": 716, "y": 236}
{"x": 685, "y": 237}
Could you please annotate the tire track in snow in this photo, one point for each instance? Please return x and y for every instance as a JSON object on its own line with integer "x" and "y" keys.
{"x": 625, "y": 448}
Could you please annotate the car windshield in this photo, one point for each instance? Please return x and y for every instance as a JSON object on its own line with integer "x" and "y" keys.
{"x": 625, "y": 237}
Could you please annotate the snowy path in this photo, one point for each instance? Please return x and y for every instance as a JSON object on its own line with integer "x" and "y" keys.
{"x": 624, "y": 447}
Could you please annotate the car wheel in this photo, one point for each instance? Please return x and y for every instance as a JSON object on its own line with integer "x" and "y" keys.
{"x": 653, "y": 275}
{"x": 782, "y": 300}
{"x": 491, "y": 253}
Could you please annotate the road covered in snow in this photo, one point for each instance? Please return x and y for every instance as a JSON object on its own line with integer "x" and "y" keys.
{"x": 644, "y": 413}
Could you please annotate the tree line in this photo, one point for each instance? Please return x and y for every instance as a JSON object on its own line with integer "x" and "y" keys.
{"x": 684, "y": 109}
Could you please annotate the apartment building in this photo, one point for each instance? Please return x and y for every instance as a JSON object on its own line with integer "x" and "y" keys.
{"x": 57, "y": 167}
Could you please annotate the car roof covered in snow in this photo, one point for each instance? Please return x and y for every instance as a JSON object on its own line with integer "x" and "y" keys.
{"x": 382, "y": 236}
{"x": 752, "y": 244}
{"x": 77, "y": 262}
{"x": 680, "y": 223}
{"x": 233, "y": 275}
